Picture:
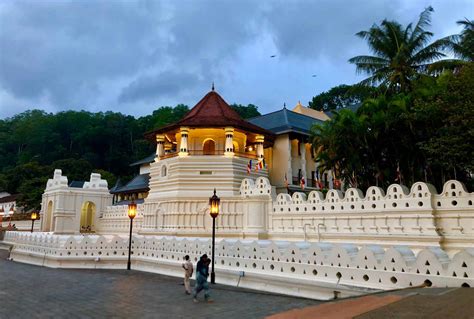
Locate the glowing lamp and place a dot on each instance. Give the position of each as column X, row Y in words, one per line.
column 34, row 216
column 132, row 210
column 214, row 202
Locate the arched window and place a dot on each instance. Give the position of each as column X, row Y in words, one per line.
column 163, row 171
column 209, row 147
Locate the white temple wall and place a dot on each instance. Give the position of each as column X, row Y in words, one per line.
column 115, row 220
column 418, row 218
column 311, row 270
column 194, row 177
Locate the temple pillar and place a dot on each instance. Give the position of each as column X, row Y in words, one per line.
column 160, row 146
column 229, row 139
column 302, row 147
column 183, row 146
column 289, row 170
column 259, row 141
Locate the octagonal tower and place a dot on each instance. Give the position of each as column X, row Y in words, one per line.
column 211, row 147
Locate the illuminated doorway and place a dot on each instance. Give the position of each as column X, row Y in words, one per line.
column 87, row 217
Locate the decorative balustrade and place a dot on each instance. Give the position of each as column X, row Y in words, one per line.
column 418, row 217
column 210, row 153
column 279, row 262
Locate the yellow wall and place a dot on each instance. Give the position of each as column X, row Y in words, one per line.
column 279, row 160
column 196, row 138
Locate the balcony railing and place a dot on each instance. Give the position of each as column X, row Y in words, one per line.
column 209, row 153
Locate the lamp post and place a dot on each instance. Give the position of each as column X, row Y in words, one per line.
column 214, row 202
column 34, row 217
column 132, row 212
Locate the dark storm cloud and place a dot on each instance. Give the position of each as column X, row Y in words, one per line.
column 134, row 55
column 148, row 88
column 62, row 49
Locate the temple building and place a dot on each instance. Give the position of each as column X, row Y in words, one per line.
column 212, row 128
column 211, row 147
column 269, row 225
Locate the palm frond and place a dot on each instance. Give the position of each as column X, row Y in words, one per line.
column 423, row 22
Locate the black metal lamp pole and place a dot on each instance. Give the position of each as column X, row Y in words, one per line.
column 132, row 212
column 213, row 274
column 214, row 202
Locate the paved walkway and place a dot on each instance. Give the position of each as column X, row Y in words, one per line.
column 28, row 291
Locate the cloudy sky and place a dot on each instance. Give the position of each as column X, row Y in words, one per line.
column 133, row 56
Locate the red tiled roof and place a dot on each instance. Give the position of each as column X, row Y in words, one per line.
column 213, row 111
column 9, row 198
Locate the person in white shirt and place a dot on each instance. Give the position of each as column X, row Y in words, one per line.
column 188, row 272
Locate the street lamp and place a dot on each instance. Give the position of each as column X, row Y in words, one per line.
column 132, row 212
column 214, row 202
column 34, row 217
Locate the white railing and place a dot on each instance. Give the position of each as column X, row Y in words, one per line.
column 281, row 263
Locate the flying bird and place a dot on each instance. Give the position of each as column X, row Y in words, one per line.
column 272, row 56
column 314, row 75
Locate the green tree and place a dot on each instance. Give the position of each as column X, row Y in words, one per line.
column 462, row 45
column 401, row 54
column 342, row 96
column 449, row 146
column 246, row 112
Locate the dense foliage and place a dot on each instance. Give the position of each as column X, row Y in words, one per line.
column 426, row 134
column 342, row 96
column 34, row 143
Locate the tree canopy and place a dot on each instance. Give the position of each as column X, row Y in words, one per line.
column 341, row 96
column 401, row 54
column 425, row 134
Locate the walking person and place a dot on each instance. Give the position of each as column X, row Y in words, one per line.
column 202, row 272
column 188, row 272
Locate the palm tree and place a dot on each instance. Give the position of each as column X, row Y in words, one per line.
column 462, row 45
column 400, row 54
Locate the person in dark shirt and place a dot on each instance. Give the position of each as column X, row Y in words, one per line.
column 202, row 272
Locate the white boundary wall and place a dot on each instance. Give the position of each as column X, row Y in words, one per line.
column 313, row 270
column 419, row 218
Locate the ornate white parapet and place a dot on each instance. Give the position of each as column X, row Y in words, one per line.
column 418, row 217
column 311, row 270
column 58, row 181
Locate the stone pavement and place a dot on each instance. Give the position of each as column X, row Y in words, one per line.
column 28, row 291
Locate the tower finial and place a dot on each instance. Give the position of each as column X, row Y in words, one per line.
column 284, row 105
column 212, row 85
